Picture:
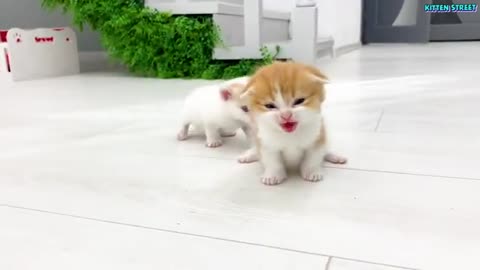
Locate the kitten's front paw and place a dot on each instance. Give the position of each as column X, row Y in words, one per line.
column 248, row 156
column 214, row 144
column 182, row 135
column 314, row 175
column 272, row 179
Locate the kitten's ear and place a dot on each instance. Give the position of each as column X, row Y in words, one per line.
column 225, row 93
column 248, row 92
column 322, row 80
column 231, row 90
column 317, row 76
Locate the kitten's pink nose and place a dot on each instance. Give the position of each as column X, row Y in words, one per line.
column 286, row 115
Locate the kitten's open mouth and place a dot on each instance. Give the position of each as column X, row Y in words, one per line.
column 289, row 126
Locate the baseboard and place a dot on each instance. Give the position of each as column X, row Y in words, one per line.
column 99, row 61
column 91, row 61
column 347, row 48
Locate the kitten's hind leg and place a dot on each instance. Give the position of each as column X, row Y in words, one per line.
column 251, row 155
column 185, row 125
column 227, row 133
column 183, row 133
column 335, row 159
column 213, row 136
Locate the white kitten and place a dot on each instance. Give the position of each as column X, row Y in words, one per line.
column 216, row 110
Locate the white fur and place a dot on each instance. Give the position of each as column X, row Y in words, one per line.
column 205, row 109
column 251, row 155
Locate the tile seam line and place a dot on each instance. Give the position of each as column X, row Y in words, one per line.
column 379, row 120
column 407, row 173
column 364, row 170
column 329, row 261
column 354, row 169
column 201, row 236
column 349, row 169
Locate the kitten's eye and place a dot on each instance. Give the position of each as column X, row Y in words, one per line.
column 244, row 108
column 270, row 106
column 298, row 101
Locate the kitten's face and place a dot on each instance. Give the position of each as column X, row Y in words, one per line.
column 235, row 107
column 286, row 96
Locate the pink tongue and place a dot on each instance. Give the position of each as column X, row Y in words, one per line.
column 289, row 127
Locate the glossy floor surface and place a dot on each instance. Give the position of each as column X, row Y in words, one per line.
column 92, row 177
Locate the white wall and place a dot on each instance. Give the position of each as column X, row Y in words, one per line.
column 340, row 19
column 281, row 5
column 327, row 21
column 347, row 21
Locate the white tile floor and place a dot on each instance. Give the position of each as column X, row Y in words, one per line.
column 91, row 176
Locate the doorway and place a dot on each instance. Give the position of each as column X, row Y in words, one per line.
column 406, row 21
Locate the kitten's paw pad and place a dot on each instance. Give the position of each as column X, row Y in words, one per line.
column 312, row 177
column 248, row 157
column 182, row 136
column 214, row 144
column 271, row 180
column 335, row 159
column 228, row 134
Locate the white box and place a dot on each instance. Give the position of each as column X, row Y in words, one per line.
column 38, row 53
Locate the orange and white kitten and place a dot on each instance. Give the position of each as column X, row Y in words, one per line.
column 285, row 100
column 216, row 110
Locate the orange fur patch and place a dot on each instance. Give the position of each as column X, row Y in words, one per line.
column 236, row 90
column 292, row 80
